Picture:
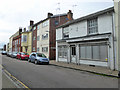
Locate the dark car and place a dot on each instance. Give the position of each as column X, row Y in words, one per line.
column 4, row 53
column 38, row 58
column 22, row 55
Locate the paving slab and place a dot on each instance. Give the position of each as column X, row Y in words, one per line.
column 93, row 69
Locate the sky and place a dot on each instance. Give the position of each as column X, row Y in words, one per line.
column 18, row 13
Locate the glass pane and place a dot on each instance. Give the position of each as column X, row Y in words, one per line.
column 103, row 53
column 88, row 52
column 73, row 51
column 82, row 52
column 96, row 52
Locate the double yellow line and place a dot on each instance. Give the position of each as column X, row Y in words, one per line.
column 14, row 78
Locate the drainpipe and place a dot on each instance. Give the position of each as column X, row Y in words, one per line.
column 113, row 40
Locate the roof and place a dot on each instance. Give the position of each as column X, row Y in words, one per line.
column 54, row 16
column 88, row 16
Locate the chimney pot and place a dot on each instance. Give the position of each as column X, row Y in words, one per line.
column 24, row 29
column 20, row 30
column 50, row 14
column 31, row 22
column 70, row 15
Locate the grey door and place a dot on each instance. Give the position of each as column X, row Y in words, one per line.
column 73, row 54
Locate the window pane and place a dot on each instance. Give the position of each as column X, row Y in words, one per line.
column 92, row 26
column 82, row 52
column 96, row 52
column 73, row 51
column 103, row 53
column 88, row 52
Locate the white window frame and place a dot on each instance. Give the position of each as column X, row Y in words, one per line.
column 38, row 38
column 99, row 59
column 45, row 23
column 62, row 51
column 44, row 49
column 92, row 25
column 66, row 32
column 45, row 36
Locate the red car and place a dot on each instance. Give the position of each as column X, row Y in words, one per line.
column 22, row 55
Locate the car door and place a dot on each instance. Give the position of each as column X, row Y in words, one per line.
column 18, row 56
column 34, row 57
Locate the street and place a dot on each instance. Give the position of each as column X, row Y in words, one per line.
column 48, row 76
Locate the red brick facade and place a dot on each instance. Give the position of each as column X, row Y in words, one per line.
column 34, row 39
column 55, row 22
column 16, row 44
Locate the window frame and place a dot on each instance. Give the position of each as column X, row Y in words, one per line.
column 92, row 52
column 93, row 25
column 65, row 32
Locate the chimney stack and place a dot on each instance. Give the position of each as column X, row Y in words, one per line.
column 24, row 29
column 70, row 15
column 20, row 30
column 50, row 14
column 31, row 22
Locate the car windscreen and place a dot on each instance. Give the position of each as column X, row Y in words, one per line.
column 41, row 55
column 24, row 53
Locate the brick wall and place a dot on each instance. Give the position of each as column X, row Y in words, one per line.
column 52, row 35
column 34, row 41
column 18, row 45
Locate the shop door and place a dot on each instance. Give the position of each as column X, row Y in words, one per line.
column 73, row 54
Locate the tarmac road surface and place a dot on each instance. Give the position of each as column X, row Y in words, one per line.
column 48, row 76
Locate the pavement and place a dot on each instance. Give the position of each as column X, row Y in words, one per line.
column 92, row 69
column 7, row 82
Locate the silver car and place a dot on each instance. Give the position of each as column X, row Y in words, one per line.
column 14, row 54
column 38, row 58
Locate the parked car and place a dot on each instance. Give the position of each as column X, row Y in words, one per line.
column 4, row 53
column 9, row 54
column 14, row 54
column 38, row 58
column 22, row 55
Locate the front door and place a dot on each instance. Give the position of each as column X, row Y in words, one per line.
column 73, row 54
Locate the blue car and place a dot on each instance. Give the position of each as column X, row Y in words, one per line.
column 38, row 58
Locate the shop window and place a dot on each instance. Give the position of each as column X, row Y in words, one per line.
column 94, row 52
column 82, row 52
column 88, row 52
column 103, row 53
column 62, row 51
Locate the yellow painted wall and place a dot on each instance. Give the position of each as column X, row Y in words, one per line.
column 27, row 44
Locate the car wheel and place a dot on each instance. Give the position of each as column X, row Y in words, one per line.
column 36, row 62
column 48, row 63
column 29, row 60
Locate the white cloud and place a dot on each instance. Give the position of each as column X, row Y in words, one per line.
column 17, row 13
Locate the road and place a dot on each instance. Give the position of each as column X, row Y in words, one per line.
column 48, row 76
